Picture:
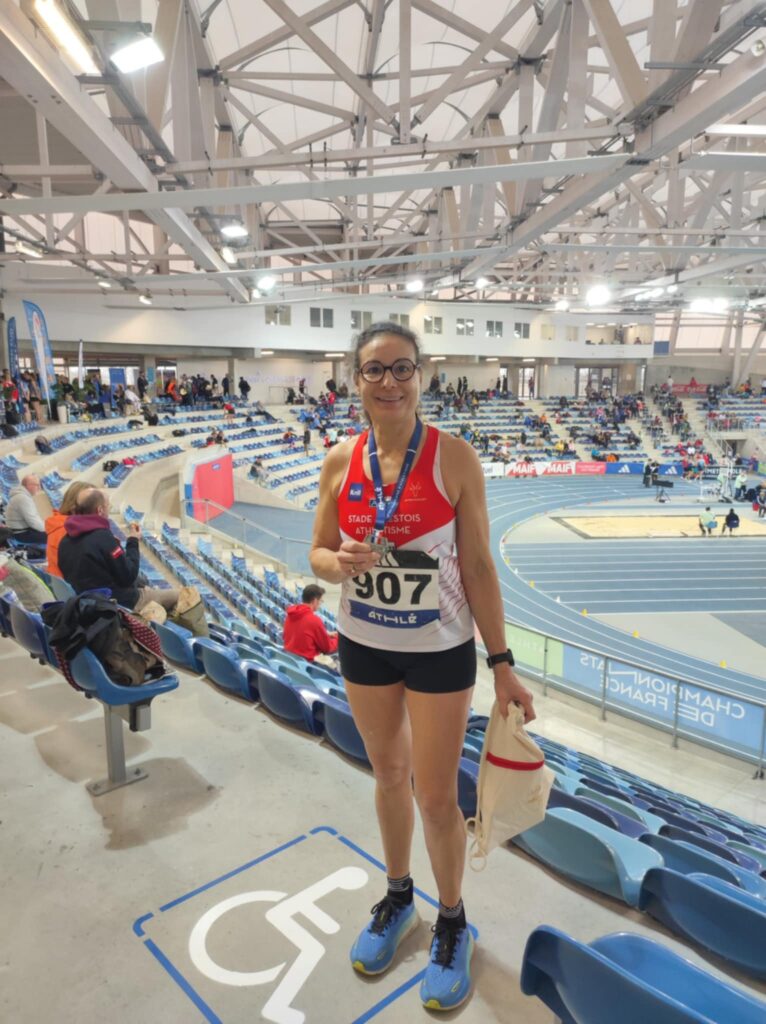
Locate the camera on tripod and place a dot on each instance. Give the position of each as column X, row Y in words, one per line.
column 661, row 486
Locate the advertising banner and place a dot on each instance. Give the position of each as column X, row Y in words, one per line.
column 13, row 349
column 689, row 389
column 625, row 467
column 590, row 468
column 701, row 712
column 38, row 330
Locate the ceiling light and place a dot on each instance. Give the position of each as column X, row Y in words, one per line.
column 234, row 230
column 672, row 288
column 562, row 305
column 415, row 285
column 104, row 284
column 145, row 300
column 598, row 295
column 334, row 355
column 714, row 305
column 527, row 360
column 655, row 293
column 266, row 283
column 491, row 359
column 482, row 282
column 140, row 54
column 437, row 359
column 267, row 351
column 26, row 249
column 66, row 36
column 227, row 254
column 755, row 130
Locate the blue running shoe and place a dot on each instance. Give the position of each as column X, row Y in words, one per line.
column 447, row 981
column 391, row 923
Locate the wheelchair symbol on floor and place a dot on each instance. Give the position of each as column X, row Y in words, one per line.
column 282, row 917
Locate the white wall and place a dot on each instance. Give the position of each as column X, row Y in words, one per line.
column 558, row 380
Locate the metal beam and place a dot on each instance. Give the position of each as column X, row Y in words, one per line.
column 619, row 52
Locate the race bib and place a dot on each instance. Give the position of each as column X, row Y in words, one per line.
column 401, row 592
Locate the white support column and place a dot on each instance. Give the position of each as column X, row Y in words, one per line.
column 737, row 361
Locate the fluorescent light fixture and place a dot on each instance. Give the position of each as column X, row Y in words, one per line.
column 714, row 305
column 655, row 293
column 227, row 254
column 437, row 359
column 141, row 54
column 415, row 285
column 334, row 355
column 482, row 282
column 66, row 36
column 598, row 295
column 145, row 300
column 753, row 130
column 527, row 360
column 671, row 288
column 104, row 284
column 492, row 359
column 25, row 249
column 562, row 305
column 266, row 283
column 234, row 230
column 267, row 351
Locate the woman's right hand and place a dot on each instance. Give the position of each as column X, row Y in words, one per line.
column 355, row 558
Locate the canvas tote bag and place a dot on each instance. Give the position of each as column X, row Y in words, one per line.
column 513, row 788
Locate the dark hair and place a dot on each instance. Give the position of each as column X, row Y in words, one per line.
column 384, row 327
column 311, row 593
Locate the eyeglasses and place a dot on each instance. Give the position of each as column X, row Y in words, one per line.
column 401, row 370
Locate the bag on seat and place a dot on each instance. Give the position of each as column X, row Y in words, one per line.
column 127, row 647
column 514, row 783
column 180, row 432
column 189, row 612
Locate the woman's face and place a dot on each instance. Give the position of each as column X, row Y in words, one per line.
column 388, row 400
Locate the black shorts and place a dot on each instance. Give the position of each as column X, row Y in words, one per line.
column 425, row 671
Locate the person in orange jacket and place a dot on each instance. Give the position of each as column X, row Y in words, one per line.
column 54, row 524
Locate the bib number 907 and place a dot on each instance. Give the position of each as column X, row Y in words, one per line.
column 387, row 587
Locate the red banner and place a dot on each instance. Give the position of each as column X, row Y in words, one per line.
column 564, row 468
column 590, row 468
column 523, row 468
column 689, row 389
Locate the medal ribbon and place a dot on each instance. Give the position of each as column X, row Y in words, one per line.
column 386, row 509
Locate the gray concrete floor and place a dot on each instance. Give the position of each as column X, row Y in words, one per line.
column 227, row 786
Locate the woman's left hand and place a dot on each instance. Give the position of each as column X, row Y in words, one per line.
column 508, row 690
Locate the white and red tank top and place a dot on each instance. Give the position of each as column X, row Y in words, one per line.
column 414, row 600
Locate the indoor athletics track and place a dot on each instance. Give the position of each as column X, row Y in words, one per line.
column 512, row 502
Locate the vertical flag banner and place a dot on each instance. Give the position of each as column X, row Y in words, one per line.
column 38, row 330
column 80, row 366
column 13, row 349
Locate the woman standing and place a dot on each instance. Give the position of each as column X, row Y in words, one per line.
column 402, row 525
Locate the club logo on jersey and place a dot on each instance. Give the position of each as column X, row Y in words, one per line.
column 355, row 492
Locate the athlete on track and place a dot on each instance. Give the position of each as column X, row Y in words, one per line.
column 406, row 533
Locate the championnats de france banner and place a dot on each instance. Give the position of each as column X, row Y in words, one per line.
column 13, row 349
column 38, row 330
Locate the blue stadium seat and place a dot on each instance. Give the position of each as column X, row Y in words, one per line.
column 90, row 675
column 178, row 645
column 467, row 781
column 627, row 978
column 606, row 815
column 717, row 915
column 652, row 822
column 29, row 631
column 687, row 859
column 301, row 706
column 749, row 863
column 341, row 731
column 751, row 852
column 591, row 853
column 224, row 667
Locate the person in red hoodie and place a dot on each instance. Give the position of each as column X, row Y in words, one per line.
column 304, row 631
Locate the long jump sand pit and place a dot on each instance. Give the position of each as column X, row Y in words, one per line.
column 668, row 525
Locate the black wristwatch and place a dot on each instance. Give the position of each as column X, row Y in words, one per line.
column 497, row 659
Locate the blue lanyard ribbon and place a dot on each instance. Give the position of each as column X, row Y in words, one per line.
column 386, row 509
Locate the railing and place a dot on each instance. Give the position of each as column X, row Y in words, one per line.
column 711, row 716
column 291, row 553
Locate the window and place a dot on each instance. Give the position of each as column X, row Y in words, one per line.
column 278, row 316
column 465, row 327
column 573, row 333
column 521, row 330
column 494, row 328
column 360, row 319
column 546, row 331
column 320, row 317
column 403, row 319
column 432, row 324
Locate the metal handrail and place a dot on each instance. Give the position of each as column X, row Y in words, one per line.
column 243, row 519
